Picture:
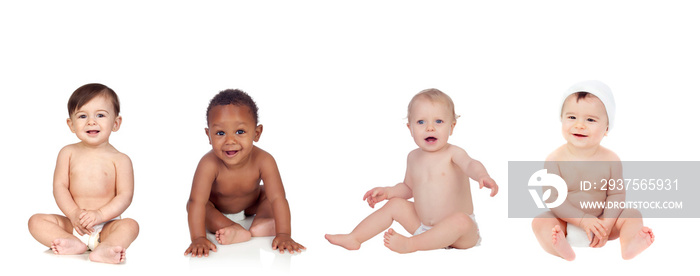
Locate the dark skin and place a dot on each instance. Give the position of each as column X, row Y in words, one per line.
column 227, row 180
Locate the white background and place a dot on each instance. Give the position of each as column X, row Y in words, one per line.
column 332, row 81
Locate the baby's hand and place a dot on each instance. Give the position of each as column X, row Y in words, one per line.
column 488, row 182
column 75, row 221
column 598, row 241
column 593, row 226
column 90, row 218
column 285, row 242
column 200, row 246
column 375, row 196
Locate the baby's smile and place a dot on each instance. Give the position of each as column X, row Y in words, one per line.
column 431, row 140
column 231, row 153
column 93, row 132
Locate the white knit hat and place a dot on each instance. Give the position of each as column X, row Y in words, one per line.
column 600, row 90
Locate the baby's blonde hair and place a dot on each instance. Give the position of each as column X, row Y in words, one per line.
column 433, row 95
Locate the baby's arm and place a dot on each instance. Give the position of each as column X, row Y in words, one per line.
column 280, row 207
column 122, row 200
column 474, row 170
column 401, row 190
column 61, row 191
column 196, row 207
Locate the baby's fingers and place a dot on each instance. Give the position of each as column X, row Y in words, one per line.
column 79, row 230
column 596, row 229
column 292, row 247
column 367, row 195
column 494, row 191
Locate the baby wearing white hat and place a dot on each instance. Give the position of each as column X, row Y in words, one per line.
column 587, row 116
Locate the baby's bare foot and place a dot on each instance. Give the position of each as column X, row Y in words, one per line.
column 108, row 254
column 639, row 243
column 232, row 234
column 264, row 227
column 346, row 241
column 397, row 242
column 561, row 246
column 68, row 246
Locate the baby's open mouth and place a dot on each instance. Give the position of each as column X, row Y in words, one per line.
column 580, row 135
column 93, row 132
column 230, row 153
column 430, row 139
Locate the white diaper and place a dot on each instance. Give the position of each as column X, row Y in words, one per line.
column 92, row 240
column 576, row 236
column 240, row 218
column 423, row 228
column 237, row 217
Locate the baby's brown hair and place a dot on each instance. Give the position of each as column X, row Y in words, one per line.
column 87, row 92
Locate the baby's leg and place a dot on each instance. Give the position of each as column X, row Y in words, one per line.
column 634, row 236
column 115, row 238
column 395, row 209
column 550, row 233
column 264, row 223
column 458, row 230
column 226, row 231
column 56, row 232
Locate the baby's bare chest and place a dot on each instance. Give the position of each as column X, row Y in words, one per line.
column 92, row 176
column 430, row 170
column 576, row 173
column 236, row 184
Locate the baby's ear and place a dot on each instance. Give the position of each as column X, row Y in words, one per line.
column 258, row 132
column 206, row 131
column 70, row 125
column 117, row 123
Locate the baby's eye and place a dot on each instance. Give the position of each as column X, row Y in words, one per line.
column 220, row 133
column 571, row 117
column 439, row 121
column 82, row 116
column 420, row 122
column 591, row 120
column 240, row 131
column 101, row 115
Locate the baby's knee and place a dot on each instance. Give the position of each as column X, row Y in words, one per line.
column 462, row 221
column 129, row 224
column 35, row 219
column 537, row 223
column 630, row 213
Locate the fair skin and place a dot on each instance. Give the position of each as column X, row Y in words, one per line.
column 93, row 183
column 584, row 124
column 227, row 181
column 437, row 177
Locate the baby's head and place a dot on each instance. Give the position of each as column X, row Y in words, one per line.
column 93, row 111
column 435, row 96
column 431, row 119
column 587, row 112
column 86, row 93
column 232, row 126
column 235, row 97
